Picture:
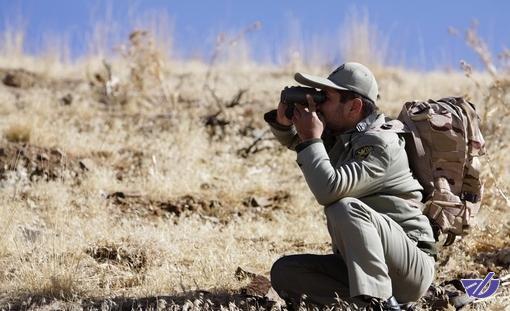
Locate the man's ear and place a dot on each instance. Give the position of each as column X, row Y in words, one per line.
column 357, row 106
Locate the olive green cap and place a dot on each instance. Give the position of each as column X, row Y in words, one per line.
column 350, row 77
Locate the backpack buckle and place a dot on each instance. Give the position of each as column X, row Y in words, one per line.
column 466, row 196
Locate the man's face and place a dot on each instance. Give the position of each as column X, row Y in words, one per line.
column 336, row 115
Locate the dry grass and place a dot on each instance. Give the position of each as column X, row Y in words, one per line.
column 360, row 40
column 157, row 181
column 18, row 133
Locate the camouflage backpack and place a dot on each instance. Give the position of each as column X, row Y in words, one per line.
column 443, row 146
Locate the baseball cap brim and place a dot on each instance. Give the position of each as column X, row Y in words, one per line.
column 316, row 81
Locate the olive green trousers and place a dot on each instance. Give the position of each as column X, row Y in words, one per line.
column 372, row 257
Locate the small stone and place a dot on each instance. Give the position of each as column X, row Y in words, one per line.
column 19, row 78
column 67, row 100
column 42, row 157
column 503, row 257
column 87, row 164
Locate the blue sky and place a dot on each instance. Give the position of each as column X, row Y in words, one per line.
column 417, row 30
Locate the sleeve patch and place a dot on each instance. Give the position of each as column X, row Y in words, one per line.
column 363, row 152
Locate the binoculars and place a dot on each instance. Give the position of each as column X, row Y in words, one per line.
column 297, row 95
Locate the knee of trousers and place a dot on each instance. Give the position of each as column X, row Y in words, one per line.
column 280, row 272
column 346, row 210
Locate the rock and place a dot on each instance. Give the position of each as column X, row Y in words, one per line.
column 38, row 162
column 271, row 200
column 87, row 164
column 259, row 285
column 122, row 253
column 67, row 100
column 20, row 78
column 257, row 201
column 503, row 257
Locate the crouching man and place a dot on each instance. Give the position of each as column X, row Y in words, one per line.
column 383, row 246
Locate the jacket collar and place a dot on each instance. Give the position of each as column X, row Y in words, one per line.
column 371, row 121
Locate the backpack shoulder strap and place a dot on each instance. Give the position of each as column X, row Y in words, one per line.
column 420, row 150
column 403, row 125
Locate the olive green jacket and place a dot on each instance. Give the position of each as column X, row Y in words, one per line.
column 365, row 163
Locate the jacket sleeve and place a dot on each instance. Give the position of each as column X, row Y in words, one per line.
column 286, row 135
column 357, row 177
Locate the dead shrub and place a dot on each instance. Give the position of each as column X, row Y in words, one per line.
column 38, row 162
column 146, row 68
column 122, row 263
column 18, row 133
column 122, row 254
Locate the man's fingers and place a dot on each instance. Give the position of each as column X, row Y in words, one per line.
column 294, row 118
column 298, row 110
column 301, row 108
column 312, row 106
column 321, row 117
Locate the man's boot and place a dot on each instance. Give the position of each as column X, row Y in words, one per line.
column 377, row 304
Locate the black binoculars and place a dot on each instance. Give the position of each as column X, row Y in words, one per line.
column 297, row 95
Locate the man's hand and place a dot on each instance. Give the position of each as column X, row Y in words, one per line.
column 307, row 122
column 280, row 115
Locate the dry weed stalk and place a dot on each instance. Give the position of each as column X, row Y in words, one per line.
column 12, row 44
column 505, row 59
column 146, row 64
column 480, row 47
column 222, row 42
column 107, row 86
column 361, row 42
column 495, row 100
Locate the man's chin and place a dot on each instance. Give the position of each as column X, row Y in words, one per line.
column 334, row 130
column 329, row 129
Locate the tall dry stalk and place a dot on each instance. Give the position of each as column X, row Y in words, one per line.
column 224, row 42
column 360, row 41
column 145, row 82
column 496, row 111
column 12, row 44
column 144, row 59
